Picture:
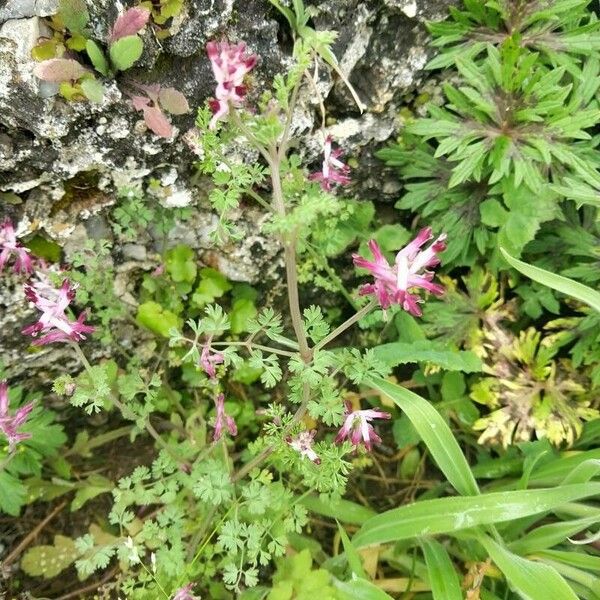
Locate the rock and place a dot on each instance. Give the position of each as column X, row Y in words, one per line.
column 67, row 159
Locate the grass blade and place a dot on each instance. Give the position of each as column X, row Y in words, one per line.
column 442, row 575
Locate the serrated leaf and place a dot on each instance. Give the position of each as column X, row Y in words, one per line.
column 125, row 52
column 12, row 494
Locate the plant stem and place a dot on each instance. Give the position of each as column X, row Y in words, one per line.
column 289, row 245
column 339, row 330
column 251, row 345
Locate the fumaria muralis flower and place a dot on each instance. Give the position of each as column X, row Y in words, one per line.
column 302, row 443
column 208, row 361
column 10, row 423
column 223, row 419
column 54, row 325
column 333, row 169
column 395, row 284
column 230, row 64
column 185, row 593
column 357, row 426
column 9, row 245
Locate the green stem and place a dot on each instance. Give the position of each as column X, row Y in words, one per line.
column 346, row 324
column 251, row 345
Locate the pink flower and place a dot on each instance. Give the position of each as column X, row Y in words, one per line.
column 9, row 424
column 223, row 419
column 333, row 170
column 10, row 245
column 393, row 283
column 208, row 360
column 185, row 593
column 54, row 323
column 357, row 426
column 302, row 443
column 230, row 64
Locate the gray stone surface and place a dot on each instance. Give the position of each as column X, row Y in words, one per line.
column 45, row 141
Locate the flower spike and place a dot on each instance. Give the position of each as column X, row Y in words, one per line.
column 223, row 419
column 394, row 284
column 9, row 245
column 10, row 423
column 230, row 64
column 357, row 427
column 333, row 169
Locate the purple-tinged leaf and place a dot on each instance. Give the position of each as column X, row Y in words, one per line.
column 173, row 101
column 140, row 102
column 157, row 122
column 129, row 23
column 58, row 70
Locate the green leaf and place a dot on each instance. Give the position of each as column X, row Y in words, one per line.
column 12, row 494
column 242, row 311
column 442, row 575
column 48, row 561
column 447, row 515
column 360, row 589
column 352, row 556
column 557, row 282
column 435, row 433
column 213, row 284
column 532, row 580
column 93, row 90
column 181, row 263
column 437, row 353
column 97, row 57
column 343, row 510
column 92, row 487
column 125, row 52
column 155, row 318
column 74, row 14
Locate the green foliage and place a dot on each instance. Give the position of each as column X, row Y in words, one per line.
column 48, row 561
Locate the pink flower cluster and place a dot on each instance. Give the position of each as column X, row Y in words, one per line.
column 185, row 593
column 223, row 419
column 10, row 246
column 54, row 325
column 209, row 360
column 230, row 64
column 394, row 284
column 9, row 424
column 302, row 443
column 333, row 169
column 357, row 426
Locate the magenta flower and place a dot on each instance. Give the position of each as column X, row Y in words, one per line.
column 223, row 419
column 394, row 284
column 208, row 360
column 185, row 593
column 230, row 64
column 54, row 323
column 302, row 443
column 9, row 424
column 9, row 245
column 333, row 170
column 357, row 427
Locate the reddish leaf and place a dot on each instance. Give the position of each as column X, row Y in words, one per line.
column 157, row 122
column 152, row 90
column 58, row 70
column 173, row 101
column 129, row 23
column 140, row 102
